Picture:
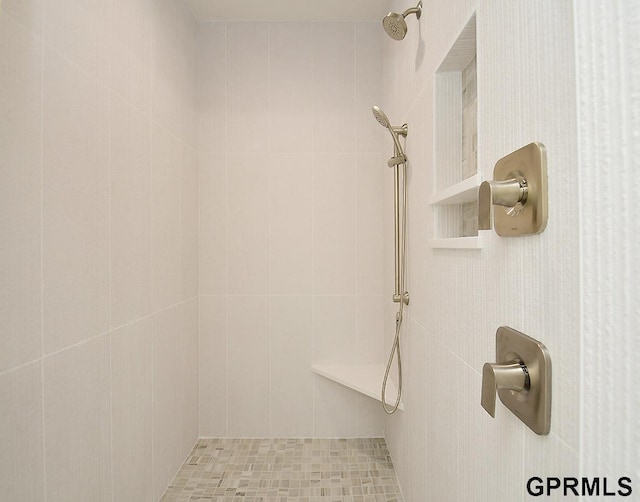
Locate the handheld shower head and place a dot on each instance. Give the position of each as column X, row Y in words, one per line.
column 381, row 117
column 395, row 131
column 395, row 25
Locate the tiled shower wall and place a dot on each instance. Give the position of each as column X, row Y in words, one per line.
column 291, row 178
column 98, row 196
column 444, row 445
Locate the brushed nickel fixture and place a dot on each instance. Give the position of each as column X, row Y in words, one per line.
column 395, row 25
column 521, row 376
column 399, row 164
column 520, row 188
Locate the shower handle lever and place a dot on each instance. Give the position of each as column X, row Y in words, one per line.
column 511, row 193
column 512, row 376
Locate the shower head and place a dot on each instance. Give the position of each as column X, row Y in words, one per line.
column 395, row 25
column 381, row 116
column 395, row 131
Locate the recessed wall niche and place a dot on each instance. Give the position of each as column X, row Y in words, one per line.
column 456, row 166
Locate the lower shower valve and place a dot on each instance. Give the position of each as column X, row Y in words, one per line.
column 521, row 376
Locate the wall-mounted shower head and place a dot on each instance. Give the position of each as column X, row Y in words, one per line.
column 395, row 25
column 395, row 131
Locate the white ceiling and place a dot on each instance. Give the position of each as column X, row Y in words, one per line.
column 289, row 10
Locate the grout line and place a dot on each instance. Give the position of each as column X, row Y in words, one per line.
column 42, row 343
column 226, row 209
column 269, row 224
column 110, row 280
column 313, row 273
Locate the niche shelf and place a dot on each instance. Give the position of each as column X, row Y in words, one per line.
column 456, row 175
column 363, row 378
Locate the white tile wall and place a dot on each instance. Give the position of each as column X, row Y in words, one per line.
column 290, row 219
column 290, row 222
column 98, row 177
column 444, row 446
column 77, row 422
column 213, row 401
column 291, row 326
column 248, row 224
column 131, row 208
column 334, row 224
column 166, row 400
column 334, row 87
column 21, row 433
column 167, row 196
column 75, row 203
column 213, row 216
column 20, row 171
column 291, row 80
column 249, row 381
column 247, row 87
column 131, row 410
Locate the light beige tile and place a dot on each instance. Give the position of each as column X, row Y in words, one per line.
column 370, row 173
column 370, row 346
column 166, row 97
column 167, row 173
column 75, row 205
column 334, row 409
column 248, row 224
column 80, row 32
column 334, row 329
column 213, row 366
column 186, row 27
column 77, row 422
column 26, row 12
column 334, row 224
column 370, row 417
column 212, row 197
column 290, row 87
column 249, row 386
column 189, row 368
column 333, row 87
column 247, row 84
column 131, row 374
column 22, row 457
column 167, row 389
column 414, row 342
column 291, row 325
column 20, row 173
column 369, row 85
column 174, row 69
column 189, row 223
column 291, row 223
column 131, row 213
column 212, row 88
column 130, row 52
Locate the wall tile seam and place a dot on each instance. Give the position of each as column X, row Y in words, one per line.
column 290, row 152
column 269, row 224
column 43, row 459
column 104, row 333
column 110, row 90
column 4, row 13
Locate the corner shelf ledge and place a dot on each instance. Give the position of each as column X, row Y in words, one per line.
column 363, row 378
column 465, row 191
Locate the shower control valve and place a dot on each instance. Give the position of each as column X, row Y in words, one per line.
column 521, row 377
column 519, row 192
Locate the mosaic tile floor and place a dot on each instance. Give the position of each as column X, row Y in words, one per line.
column 285, row 470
